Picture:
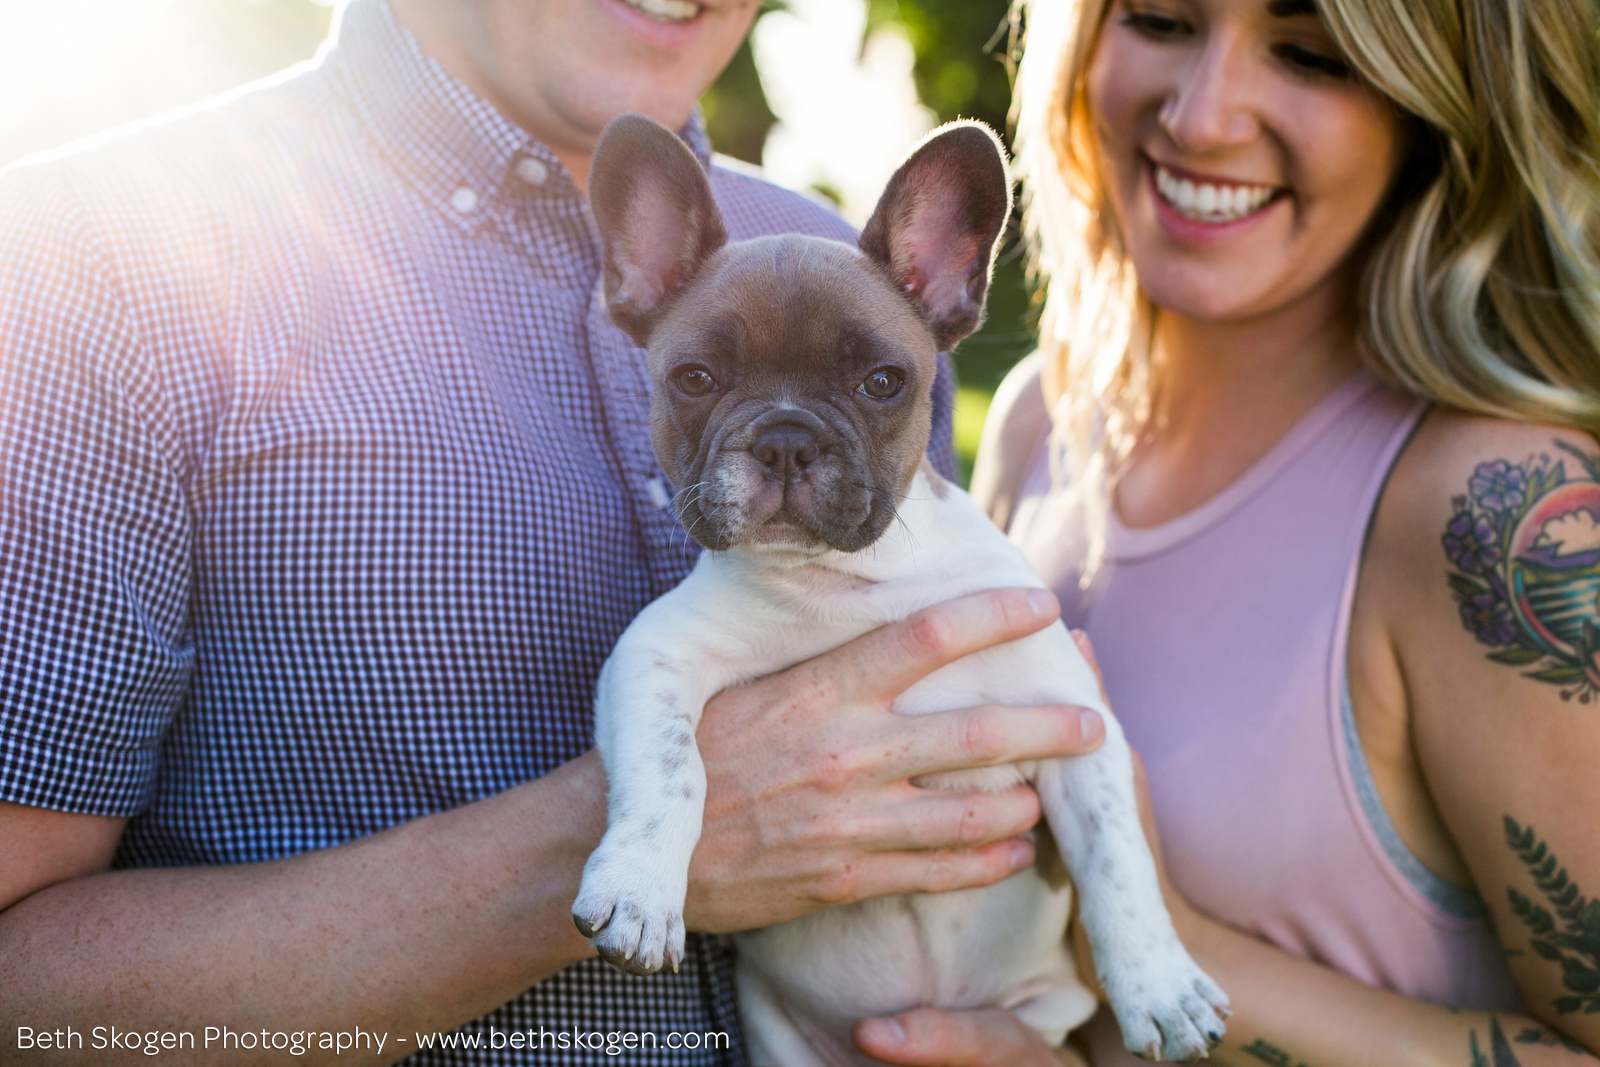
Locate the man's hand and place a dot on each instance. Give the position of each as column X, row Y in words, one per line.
column 984, row 1037
column 809, row 802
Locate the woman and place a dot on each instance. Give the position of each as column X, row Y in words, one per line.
column 1307, row 451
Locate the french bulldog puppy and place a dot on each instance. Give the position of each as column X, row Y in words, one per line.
column 792, row 380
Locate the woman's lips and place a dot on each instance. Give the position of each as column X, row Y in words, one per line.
column 1210, row 201
column 1181, row 213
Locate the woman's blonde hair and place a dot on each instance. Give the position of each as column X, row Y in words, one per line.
column 1481, row 287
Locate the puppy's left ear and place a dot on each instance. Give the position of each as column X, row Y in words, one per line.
column 657, row 218
column 937, row 223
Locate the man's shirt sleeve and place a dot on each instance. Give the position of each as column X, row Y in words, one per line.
column 942, row 442
column 95, row 534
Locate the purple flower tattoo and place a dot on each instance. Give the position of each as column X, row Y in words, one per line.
column 1524, row 554
column 1499, row 486
column 1489, row 618
column 1471, row 543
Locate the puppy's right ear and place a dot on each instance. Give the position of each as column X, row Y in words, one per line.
column 653, row 203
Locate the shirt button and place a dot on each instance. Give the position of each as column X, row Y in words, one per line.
column 533, row 171
column 464, row 200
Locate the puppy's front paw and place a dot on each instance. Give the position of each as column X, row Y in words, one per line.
column 631, row 912
column 1167, row 1006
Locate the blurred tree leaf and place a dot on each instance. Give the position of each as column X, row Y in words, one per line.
column 961, row 72
column 735, row 107
column 960, row 69
column 737, row 115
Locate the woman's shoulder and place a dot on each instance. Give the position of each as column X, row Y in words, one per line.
column 1459, row 467
column 1484, row 549
column 1017, row 416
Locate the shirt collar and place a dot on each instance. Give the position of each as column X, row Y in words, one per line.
column 444, row 139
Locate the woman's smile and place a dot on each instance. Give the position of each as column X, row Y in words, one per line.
column 1210, row 200
column 1197, row 209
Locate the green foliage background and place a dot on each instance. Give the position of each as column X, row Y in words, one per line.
column 960, row 72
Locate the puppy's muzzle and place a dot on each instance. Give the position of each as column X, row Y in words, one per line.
column 785, row 477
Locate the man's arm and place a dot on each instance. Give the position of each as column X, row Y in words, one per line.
column 434, row 922
column 415, row 929
column 45, row 847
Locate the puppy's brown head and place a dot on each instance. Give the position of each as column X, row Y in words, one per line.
column 793, row 375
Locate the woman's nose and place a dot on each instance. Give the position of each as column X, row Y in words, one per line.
column 1210, row 104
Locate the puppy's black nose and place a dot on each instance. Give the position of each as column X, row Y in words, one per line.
column 785, row 450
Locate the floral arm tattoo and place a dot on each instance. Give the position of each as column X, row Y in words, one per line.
column 1524, row 549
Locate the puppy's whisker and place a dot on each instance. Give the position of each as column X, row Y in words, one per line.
column 677, row 504
column 890, row 501
column 696, row 488
column 686, row 489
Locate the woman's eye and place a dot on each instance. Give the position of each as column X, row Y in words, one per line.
column 1307, row 61
column 695, row 381
column 882, row 384
column 1156, row 27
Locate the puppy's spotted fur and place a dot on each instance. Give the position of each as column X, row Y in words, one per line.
column 792, row 406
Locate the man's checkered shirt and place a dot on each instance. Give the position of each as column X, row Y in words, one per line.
column 325, row 480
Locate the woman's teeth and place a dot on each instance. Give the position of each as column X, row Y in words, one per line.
column 666, row 10
column 1211, row 203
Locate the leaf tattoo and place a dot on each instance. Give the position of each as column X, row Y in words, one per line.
column 1524, row 549
column 1568, row 932
column 1534, row 1035
column 1499, row 1047
column 1271, row 1054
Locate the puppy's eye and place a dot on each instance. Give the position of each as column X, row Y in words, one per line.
column 883, row 383
column 694, row 380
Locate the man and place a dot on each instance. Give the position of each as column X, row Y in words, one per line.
column 325, row 487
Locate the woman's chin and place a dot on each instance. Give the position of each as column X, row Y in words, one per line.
column 1206, row 299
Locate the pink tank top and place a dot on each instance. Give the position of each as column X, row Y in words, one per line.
column 1222, row 635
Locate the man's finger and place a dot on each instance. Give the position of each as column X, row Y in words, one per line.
column 890, row 659
column 987, row 736
column 929, row 819
column 933, row 871
column 987, row 1037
